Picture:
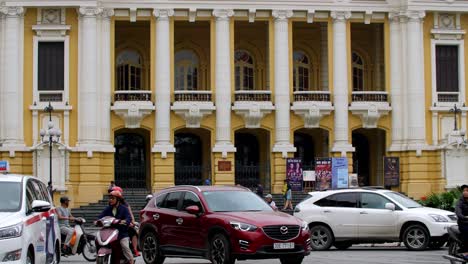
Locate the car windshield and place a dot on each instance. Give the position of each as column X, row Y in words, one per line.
column 235, row 201
column 403, row 200
column 10, row 196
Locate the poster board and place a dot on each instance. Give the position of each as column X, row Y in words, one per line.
column 323, row 174
column 294, row 173
column 391, row 171
column 339, row 173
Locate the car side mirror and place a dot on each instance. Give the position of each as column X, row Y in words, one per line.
column 193, row 209
column 40, row 206
column 390, row 206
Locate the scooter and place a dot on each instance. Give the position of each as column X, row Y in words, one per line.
column 454, row 244
column 81, row 242
column 107, row 242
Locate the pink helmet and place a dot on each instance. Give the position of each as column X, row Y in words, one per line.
column 116, row 194
column 117, row 188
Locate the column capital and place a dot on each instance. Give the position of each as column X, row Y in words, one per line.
column 282, row 14
column 107, row 13
column 87, row 11
column 223, row 14
column 163, row 14
column 414, row 16
column 394, row 16
column 12, row 11
column 340, row 16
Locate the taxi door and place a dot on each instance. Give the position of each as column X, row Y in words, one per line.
column 34, row 225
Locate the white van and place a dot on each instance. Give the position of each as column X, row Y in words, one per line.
column 29, row 231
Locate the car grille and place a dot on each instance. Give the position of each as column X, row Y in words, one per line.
column 282, row 232
column 452, row 217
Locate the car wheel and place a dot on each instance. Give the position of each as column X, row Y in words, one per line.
column 342, row 245
column 416, row 237
column 292, row 259
column 150, row 249
column 437, row 243
column 321, row 237
column 220, row 250
column 30, row 257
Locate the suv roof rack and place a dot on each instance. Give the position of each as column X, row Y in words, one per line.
column 373, row 188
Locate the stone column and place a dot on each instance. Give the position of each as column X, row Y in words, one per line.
column 415, row 82
column 282, row 100
column 223, row 82
column 340, row 82
column 88, row 79
column 378, row 75
column 163, row 143
column 12, row 77
column 106, row 69
column 396, row 90
column 324, row 57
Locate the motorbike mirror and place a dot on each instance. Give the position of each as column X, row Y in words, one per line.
column 193, row 209
column 390, row 206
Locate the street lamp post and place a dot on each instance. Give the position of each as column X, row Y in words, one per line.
column 50, row 136
column 455, row 111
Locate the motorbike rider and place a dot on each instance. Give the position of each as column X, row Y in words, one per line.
column 461, row 210
column 117, row 210
column 132, row 233
column 64, row 215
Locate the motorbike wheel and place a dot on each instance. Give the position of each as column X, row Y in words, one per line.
column 89, row 250
column 103, row 259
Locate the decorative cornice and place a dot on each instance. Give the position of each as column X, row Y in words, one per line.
column 394, row 16
column 340, row 15
column 163, row 13
column 282, row 14
column 12, row 10
column 223, row 14
column 415, row 16
column 89, row 11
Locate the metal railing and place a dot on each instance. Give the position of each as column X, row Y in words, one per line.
column 191, row 174
column 50, row 96
column 196, row 96
column 130, row 176
column 444, row 97
column 370, row 96
column 252, row 96
column 321, row 96
column 250, row 175
column 137, row 95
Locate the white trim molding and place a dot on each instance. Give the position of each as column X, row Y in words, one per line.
column 193, row 111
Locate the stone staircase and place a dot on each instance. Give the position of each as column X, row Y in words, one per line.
column 90, row 212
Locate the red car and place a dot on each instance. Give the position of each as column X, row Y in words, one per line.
column 220, row 224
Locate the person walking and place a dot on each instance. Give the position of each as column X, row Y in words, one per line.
column 287, row 192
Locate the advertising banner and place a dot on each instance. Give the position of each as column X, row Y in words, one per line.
column 391, row 171
column 339, row 173
column 294, row 173
column 323, row 173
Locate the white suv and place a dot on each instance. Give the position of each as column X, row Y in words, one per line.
column 365, row 215
column 29, row 231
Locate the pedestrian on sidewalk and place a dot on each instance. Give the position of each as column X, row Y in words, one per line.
column 287, row 192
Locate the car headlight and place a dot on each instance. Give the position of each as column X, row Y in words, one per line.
column 438, row 218
column 11, row 231
column 243, row 226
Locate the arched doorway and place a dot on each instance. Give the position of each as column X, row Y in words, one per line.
column 192, row 158
column 310, row 144
column 131, row 159
column 252, row 158
column 368, row 156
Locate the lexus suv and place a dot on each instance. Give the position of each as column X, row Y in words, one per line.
column 368, row 215
column 221, row 224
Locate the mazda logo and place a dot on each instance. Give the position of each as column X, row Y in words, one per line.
column 284, row 230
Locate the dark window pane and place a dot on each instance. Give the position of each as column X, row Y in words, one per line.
column 447, row 68
column 346, row 200
column 172, row 200
column 51, row 66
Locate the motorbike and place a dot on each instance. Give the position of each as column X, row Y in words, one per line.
column 454, row 244
column 107, row 242
column 81, row 242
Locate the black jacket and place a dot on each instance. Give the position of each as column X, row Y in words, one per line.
column 462, row 211
column 122, row 214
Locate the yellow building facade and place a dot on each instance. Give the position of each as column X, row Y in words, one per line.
column 151, row 95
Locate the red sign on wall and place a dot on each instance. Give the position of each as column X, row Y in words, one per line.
column 224, row 165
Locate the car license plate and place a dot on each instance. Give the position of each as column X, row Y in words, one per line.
column 283, row 245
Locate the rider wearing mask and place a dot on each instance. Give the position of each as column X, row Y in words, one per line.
column 462, row 215
column 117, row 210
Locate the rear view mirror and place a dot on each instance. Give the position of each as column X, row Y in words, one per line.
column 40, row 206
column 390, row 206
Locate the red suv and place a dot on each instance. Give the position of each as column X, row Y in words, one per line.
column 220, row 224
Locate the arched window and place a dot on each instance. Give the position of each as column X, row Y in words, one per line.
column 186, row 70
column 358, row 72
column 301, row 71
column 129, row 70
column 244, row 70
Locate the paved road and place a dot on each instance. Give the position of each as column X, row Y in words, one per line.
column 354, row 255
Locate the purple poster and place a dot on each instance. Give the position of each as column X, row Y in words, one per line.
column 294, row 173
column 323, row 174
